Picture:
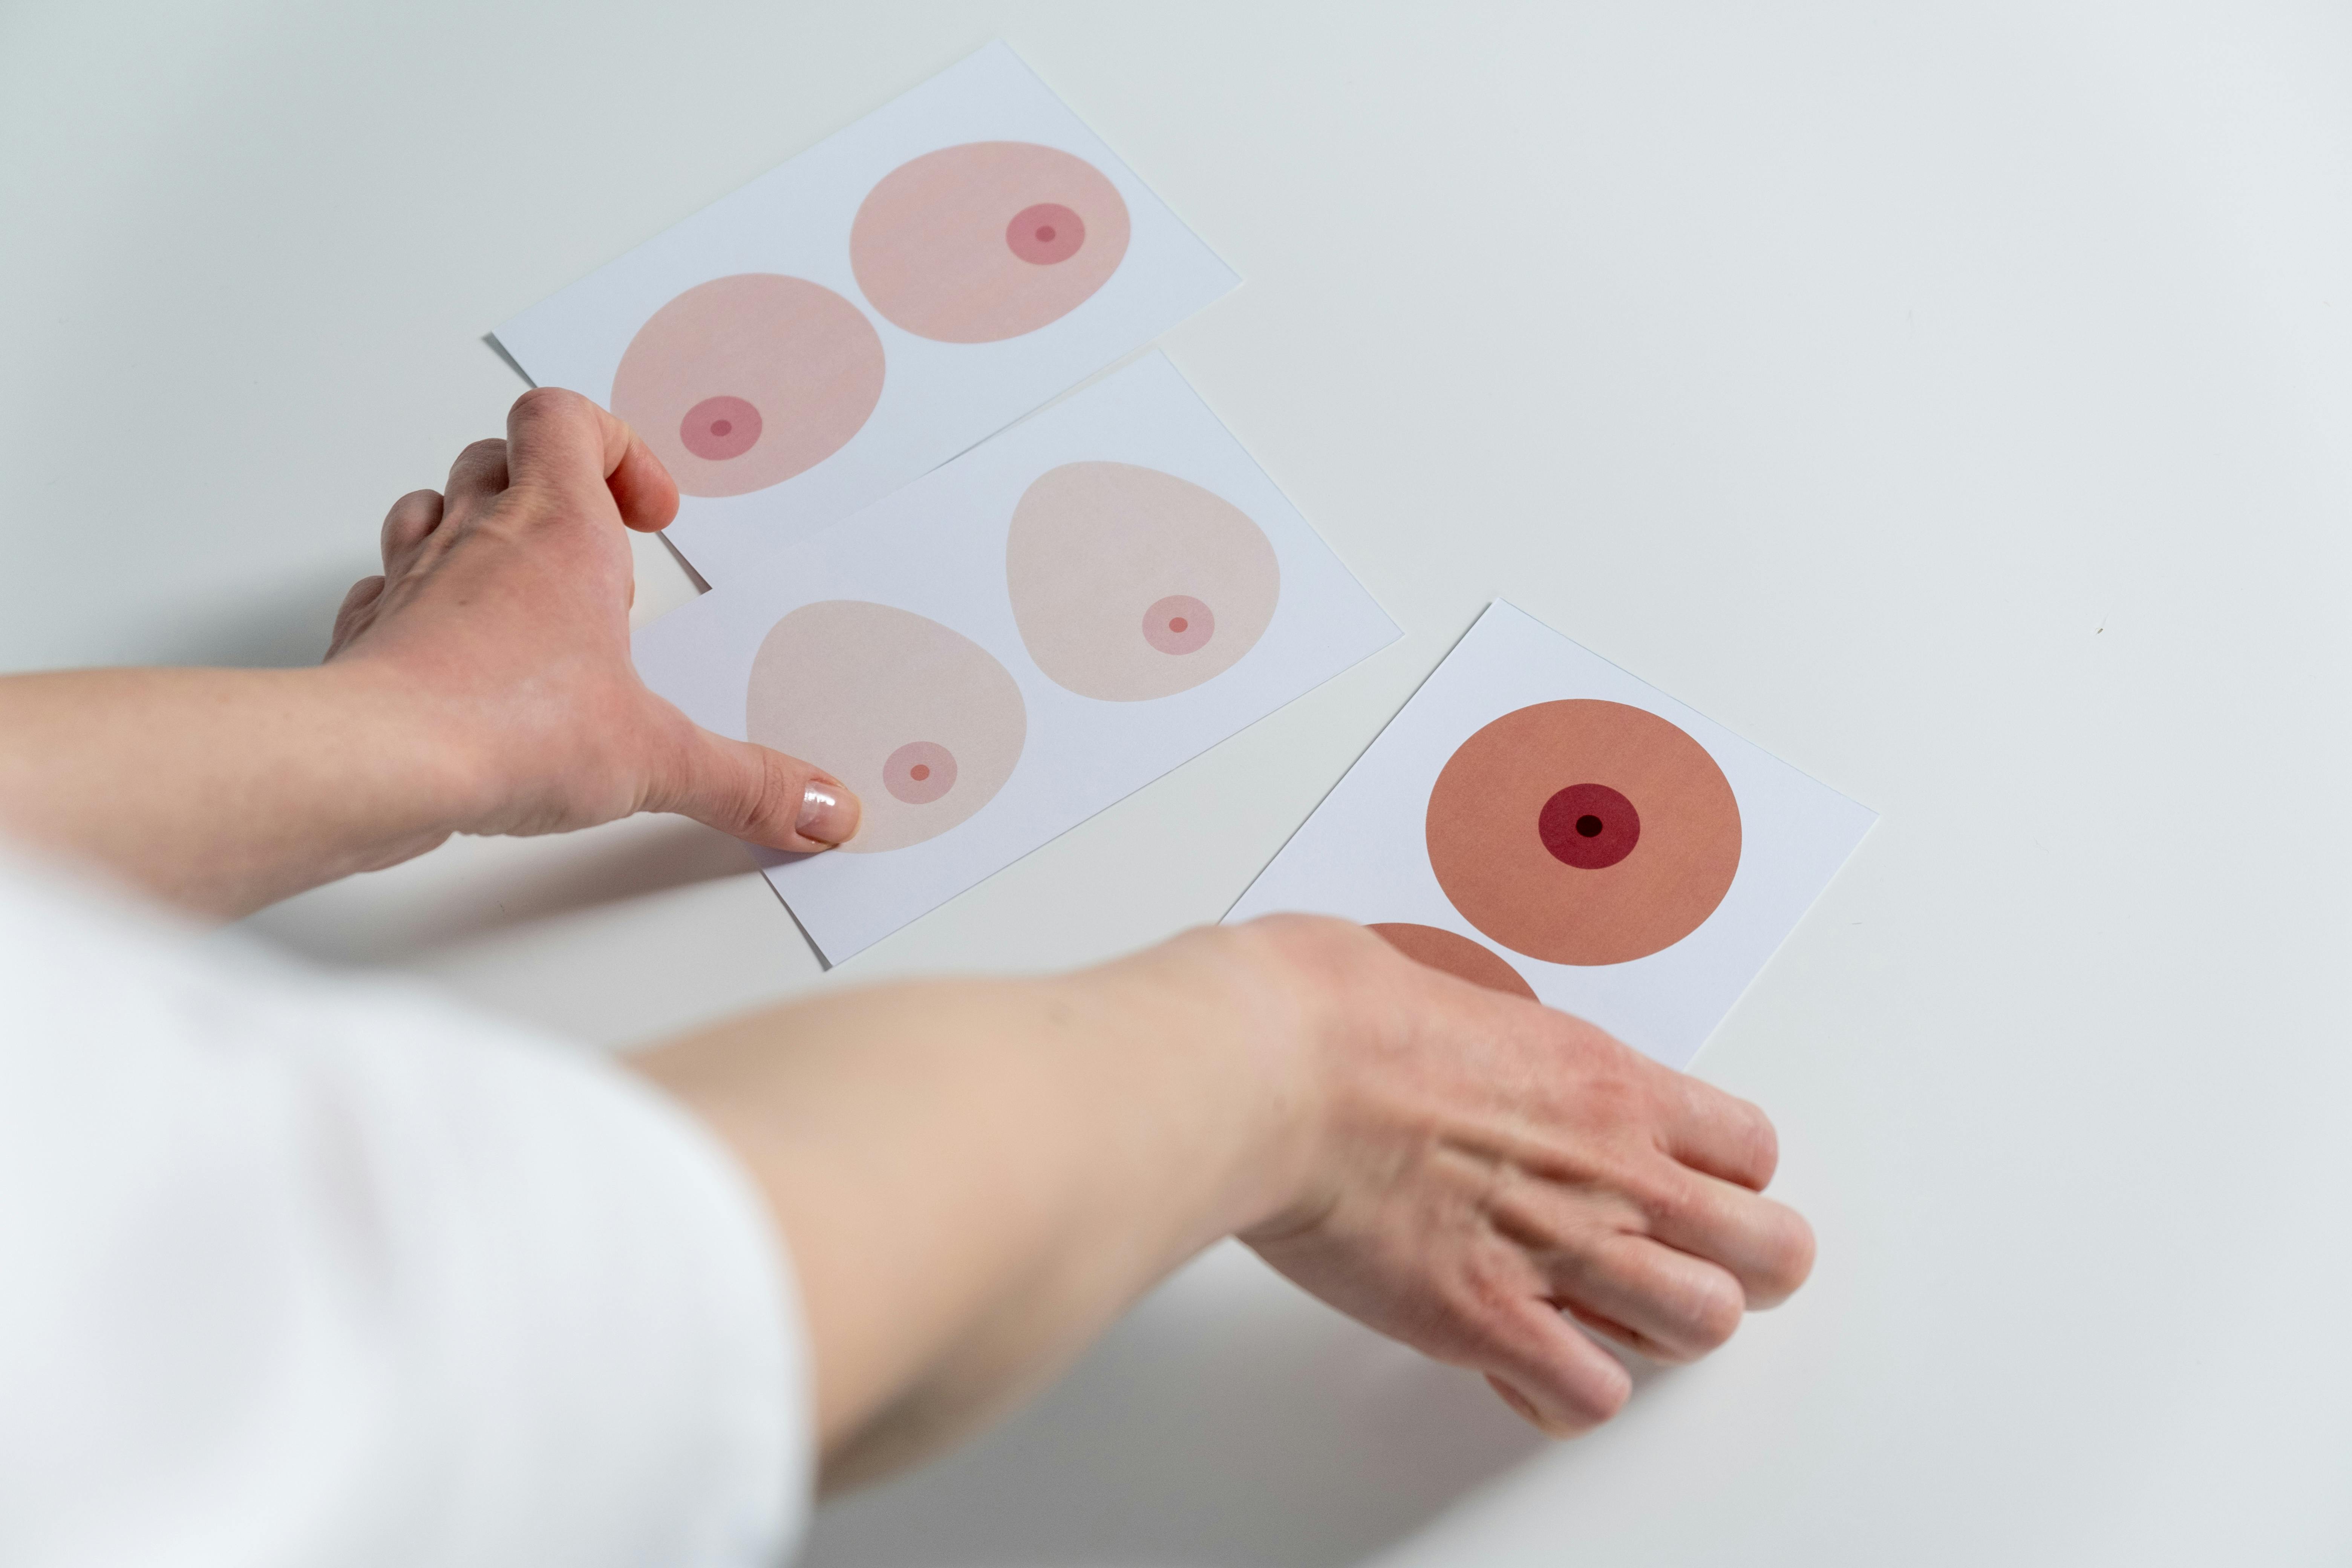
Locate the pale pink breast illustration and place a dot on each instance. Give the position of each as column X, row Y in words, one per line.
column 987, row 241
column 1583, row 832
column 1129, row 584
column 744, row 381
column 920, row 722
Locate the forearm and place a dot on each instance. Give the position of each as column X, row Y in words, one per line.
column 975, row 1177
column 221, row 790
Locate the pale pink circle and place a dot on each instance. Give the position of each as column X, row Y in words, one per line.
column 947, row 246
column 850, row 686
column 920, row 771
column 719, row 428
column 805, row 363
column 1178, row 623
column 1046, row 233
column 1103, row 558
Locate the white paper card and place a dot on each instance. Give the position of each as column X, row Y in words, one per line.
column 857, row 316
column 1535, row 810
column 1011, row 644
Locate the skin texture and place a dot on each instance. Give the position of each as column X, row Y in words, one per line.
column 977, row 1176
column 481, row 684
column 972, row 1178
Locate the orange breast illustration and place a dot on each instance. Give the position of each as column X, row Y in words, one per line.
column 1583, row 832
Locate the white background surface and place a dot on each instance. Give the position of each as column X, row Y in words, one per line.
column 1952, row 399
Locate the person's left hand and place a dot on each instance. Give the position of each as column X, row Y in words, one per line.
column 503, row 608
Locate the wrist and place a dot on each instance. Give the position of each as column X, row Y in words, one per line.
column 391, row 771
column 429, row 767
column 1317, row 965
column 1257, row 1007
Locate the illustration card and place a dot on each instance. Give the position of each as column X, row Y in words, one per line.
column 1538, row 821
column 1007, row 646
column 857, row 316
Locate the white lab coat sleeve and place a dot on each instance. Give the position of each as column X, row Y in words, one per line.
column 310, row 1270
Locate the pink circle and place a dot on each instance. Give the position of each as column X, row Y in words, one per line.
column 1178, row 623
column 920, row 771
column 946, row 246
column 800, row 367
column 1045, row 234
column 718, row 428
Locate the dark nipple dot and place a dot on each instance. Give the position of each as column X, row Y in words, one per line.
column 1178, row 623
column 1046, row 235
column 722, row 427
column 1588, row 827
column 920, row 771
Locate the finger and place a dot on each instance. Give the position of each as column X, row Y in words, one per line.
column 1667, row 1304
column 755, row 793
column 353, row 613
column 1564, row 1384
column 1766, row 1245
column 561, row 441
column 480, row 474
column 412, row 518
column 642, row 487
column 1719, row 1133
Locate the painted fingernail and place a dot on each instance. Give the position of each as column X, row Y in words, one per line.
column 828, row 813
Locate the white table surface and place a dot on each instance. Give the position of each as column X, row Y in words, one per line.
column 1953, row 399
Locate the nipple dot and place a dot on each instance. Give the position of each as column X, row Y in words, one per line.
column 920, row 771
column 1178, row 623
column 1590, row 827
column 1046, row 235
column 718, row 428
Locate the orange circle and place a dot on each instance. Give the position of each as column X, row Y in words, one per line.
column 1488, row 850
column 1456, row 955
column 937, row 250
column 805, row 362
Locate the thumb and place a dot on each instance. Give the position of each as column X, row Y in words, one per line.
column 754, row 793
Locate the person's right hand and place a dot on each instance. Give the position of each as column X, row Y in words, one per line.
column 1478, row 1170
column 974, row 1177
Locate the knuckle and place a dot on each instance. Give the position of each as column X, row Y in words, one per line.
column 1488, row 1290
column 741, row 800
column 1716, row 1314
column 1595, row 1399
column 488, row 452
column 546, row 403
column 1789, row 1260
column 1596, row 1094
column 1599, row 1053
column 771, row 793
column 1668, row 1196
column 1763, row 1140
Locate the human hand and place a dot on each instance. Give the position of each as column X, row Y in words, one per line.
column 1479, row 1169
column 503, row 610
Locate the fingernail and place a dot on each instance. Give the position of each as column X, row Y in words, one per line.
column 828, row 813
